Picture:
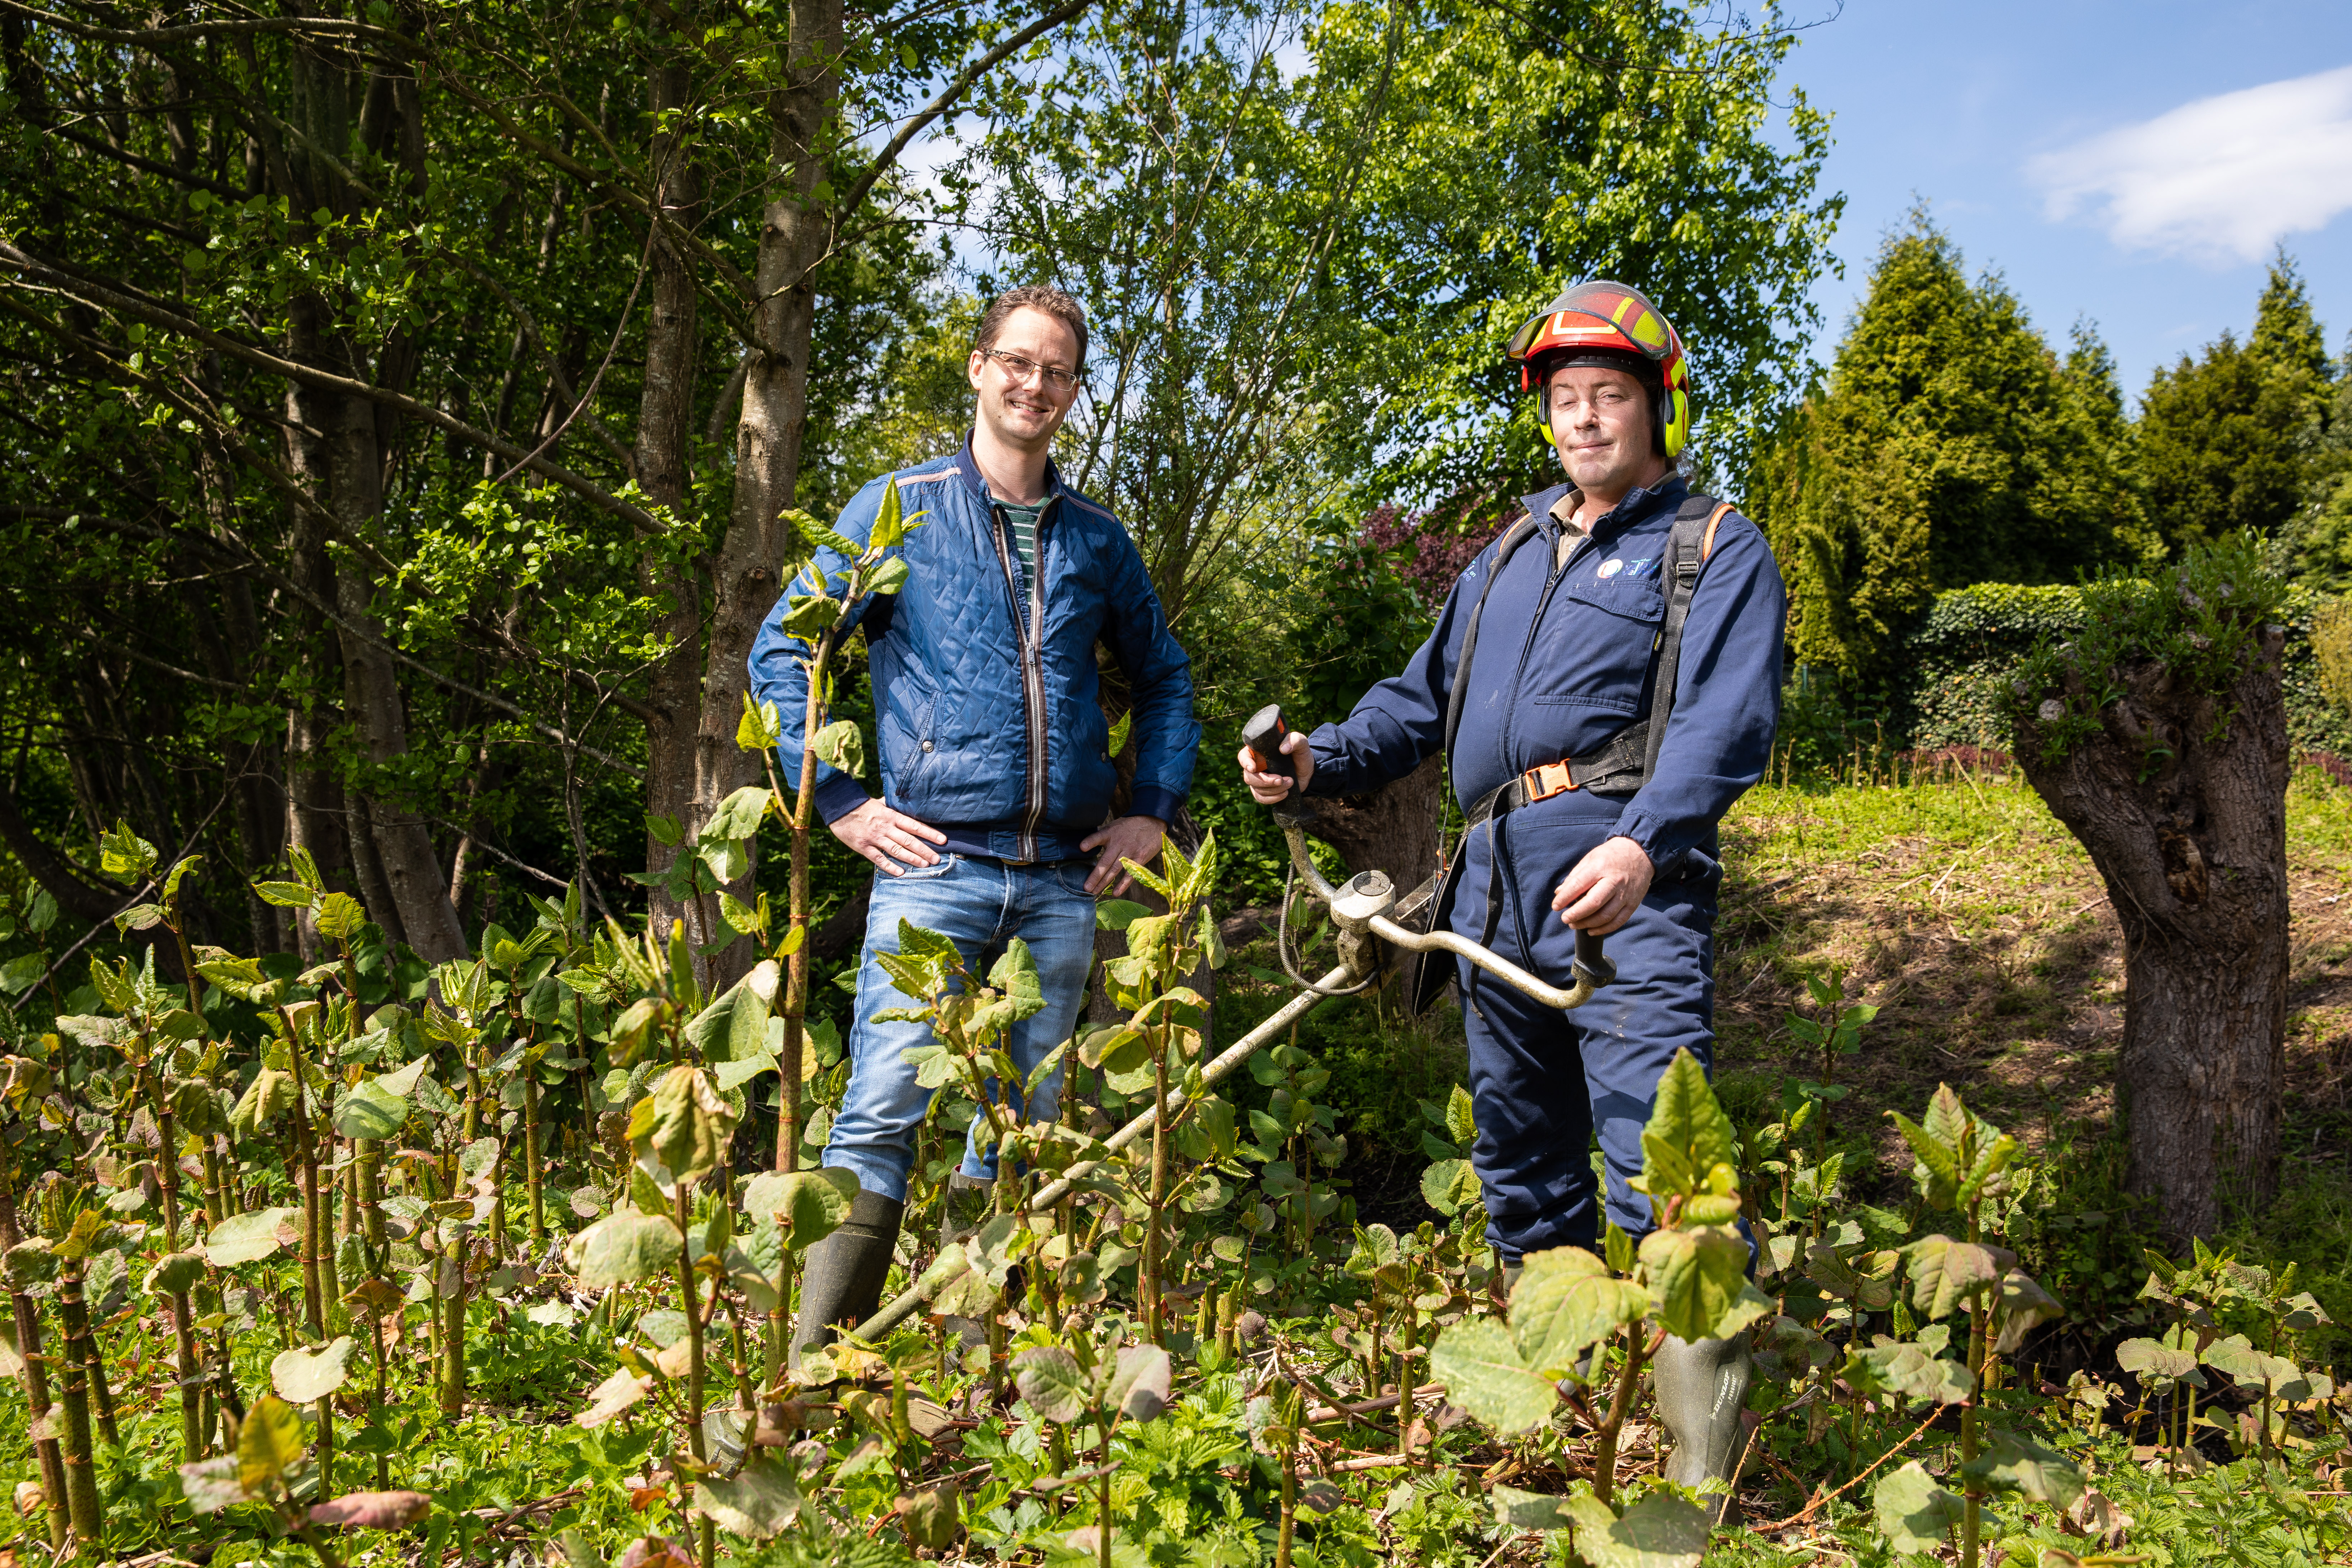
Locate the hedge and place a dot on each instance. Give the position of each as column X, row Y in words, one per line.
column 1959, row 655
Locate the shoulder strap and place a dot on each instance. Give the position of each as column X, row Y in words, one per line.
column 1689, row 546
column 1520, row 533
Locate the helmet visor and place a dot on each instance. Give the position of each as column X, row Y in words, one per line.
column 1600, row 315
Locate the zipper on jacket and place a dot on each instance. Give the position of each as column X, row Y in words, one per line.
column 1033, row 676
column 1554, row 569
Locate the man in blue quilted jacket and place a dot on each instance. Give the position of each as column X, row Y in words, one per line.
column 996, row 817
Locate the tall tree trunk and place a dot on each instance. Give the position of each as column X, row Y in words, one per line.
column 794, row 231
column 340, row 447
column 2189, row 832
column 664, row 460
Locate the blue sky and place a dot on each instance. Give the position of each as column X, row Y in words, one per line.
column 2128, row 163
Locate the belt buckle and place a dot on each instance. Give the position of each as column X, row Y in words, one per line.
column 1548, row 779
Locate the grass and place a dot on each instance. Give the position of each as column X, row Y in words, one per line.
column 1978, row 925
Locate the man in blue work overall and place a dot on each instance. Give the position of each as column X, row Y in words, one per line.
column 1603, row 724
column 995, row 819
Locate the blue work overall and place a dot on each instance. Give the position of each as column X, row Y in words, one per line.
column 1563, row 664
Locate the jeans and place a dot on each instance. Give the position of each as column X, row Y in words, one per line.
column 979, row 905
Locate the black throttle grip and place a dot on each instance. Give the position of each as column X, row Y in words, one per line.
column 1591, row 963
column 1262, row 735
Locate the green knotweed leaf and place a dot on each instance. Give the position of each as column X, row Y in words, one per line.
column 1140, row 1383
column 1699, row 1281
column 1566, row 1299
column 1914, row 1514
column 612, row 1396
column 1117, row 914
column 174, row 1272
column 1450, row 1187
column 1015, row 974
column 760, row 728
column 1053, row 1383
column 212, row 1485
column 245, row 1238
column 1515, row 1509
column 1945, row 1273
column 1938, row 1171
column 368, row 1110
column 762, row 1501
column 2025, row 1305
column 809, row 1205
column 304, row 1377
column 269, row 1443
column 2009, row 1463
column 686, row 1123
column 1460, row 1118
column 1890, row 1366
column 1662, row 1531
column 930, row 1515
column 739, row 815
column 1483, row 1373
column 624, row 1247
column 1688, row 1145
column 340, row 917
column 841, row 744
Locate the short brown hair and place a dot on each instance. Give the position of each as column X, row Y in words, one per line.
column 1041, row 296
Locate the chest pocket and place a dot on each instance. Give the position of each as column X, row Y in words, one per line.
column 1595, row 648
column 1638, row 600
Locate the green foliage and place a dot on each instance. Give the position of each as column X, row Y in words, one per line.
column 1949, row 447
column 2204, row 620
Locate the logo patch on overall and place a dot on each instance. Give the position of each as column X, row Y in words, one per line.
column 1608, row 569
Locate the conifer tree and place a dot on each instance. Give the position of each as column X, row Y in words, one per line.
column 1949, row 447
column 2227, row 440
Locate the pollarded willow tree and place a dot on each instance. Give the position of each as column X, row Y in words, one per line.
column 2158, row 735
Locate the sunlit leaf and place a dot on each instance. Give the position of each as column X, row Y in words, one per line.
column 761, row 1501
column 269, row 1443
column 245, row 1238
column 1912, row 1513
column 624, row 1247
column 304, row 1377
column 1565, row 1300
column 1483, row 1373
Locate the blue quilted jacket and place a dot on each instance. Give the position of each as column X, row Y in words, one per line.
column 984, row 681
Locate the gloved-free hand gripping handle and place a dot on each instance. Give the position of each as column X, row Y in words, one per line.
column 1262, row 735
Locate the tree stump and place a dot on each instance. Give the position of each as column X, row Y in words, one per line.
column 2181, row 797
column 1393, row 830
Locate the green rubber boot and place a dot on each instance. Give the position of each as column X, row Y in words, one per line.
column 1701, row 1393
column 840, row 1283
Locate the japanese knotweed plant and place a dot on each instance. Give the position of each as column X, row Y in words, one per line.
column 1161, row 1046
column 1687, row 1277
column 840, row 578
column 2218, row 1308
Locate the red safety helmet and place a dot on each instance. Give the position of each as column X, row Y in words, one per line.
column 1601, row 322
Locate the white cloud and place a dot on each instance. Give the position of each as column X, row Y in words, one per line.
column 2219, row 180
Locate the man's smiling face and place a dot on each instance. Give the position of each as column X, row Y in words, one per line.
column 1601, row 424
column 1022, row 407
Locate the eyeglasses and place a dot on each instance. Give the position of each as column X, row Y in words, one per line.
column 1021, row 368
